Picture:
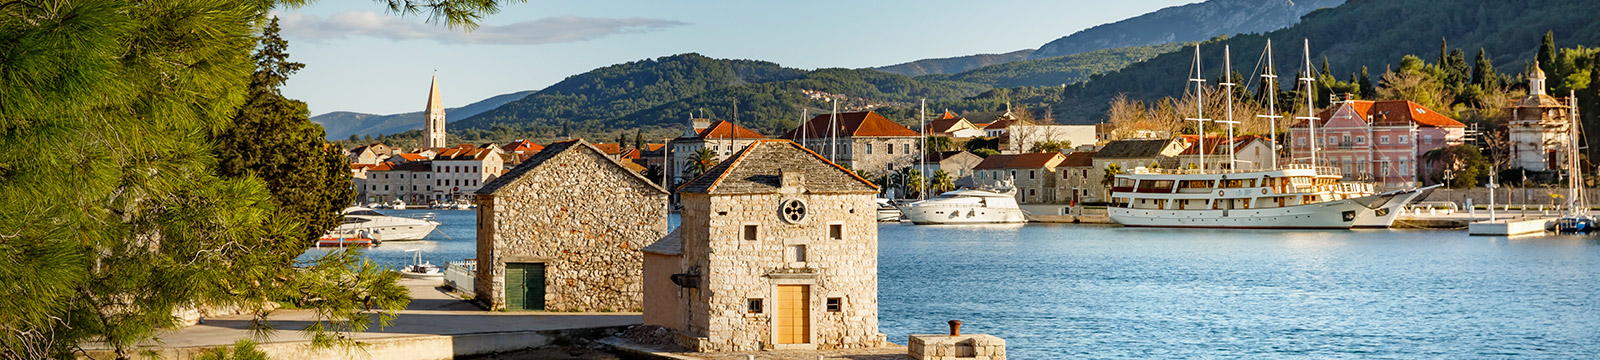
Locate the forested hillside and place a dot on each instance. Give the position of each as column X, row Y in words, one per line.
column 1371, row 34
column 951, row 65
column 1186, row 23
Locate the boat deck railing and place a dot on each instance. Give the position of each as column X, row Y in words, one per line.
column 1321, row 170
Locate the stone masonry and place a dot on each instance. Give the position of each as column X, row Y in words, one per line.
column 759, row 190
column 581, row 214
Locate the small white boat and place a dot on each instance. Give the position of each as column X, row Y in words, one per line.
column 462, row 205
column 967, row 206
column 887, row 212
column 420, row 269
column 380, row 227
column 397, row 204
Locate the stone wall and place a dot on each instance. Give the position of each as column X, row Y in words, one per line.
column 737, row 270
column 881, row 159
column 1510, row 195
column 582, row 215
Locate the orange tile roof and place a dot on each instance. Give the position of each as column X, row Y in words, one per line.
column 1389, row 112
column 524, row 146
column 609, row 149
column 1021, row 161
column 1078, row 159
column 722, row 129
column 865, row 123
column 943, row 125
column 947, row 115
column 654, row 147
column 412, row 156
column 631, row 154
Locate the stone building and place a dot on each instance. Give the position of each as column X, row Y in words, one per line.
column 1021, row 137
column 723, row 138
column 462, row 170
column 562, row 232
column 1033, row 175
column 1074, row 183
column 864, row 141
column 1250, row 152
column 433, row 126
column 1538, row 127
column 955, row 127
column 958, row 164
column 1130, row 154
column 411, row 182
column 371, row 153
column 778, row 250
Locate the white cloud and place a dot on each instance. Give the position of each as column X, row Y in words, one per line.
column 542, row 31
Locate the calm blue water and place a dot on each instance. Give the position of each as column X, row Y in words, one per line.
column 1053, row 291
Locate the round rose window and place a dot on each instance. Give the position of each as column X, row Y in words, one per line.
column 792, row 211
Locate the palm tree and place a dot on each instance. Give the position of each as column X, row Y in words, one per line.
column 941, row 182
column 912, row 180
column 699, row 163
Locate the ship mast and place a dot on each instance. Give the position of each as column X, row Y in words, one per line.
column 1575, row 197
column 1199, row 108
column 1270, row 80
column 1310, row 118
column 1227, row 88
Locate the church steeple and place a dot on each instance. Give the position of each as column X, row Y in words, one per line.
column 1536, row 80
column 433, row 126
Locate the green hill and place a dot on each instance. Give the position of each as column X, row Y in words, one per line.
column 1370, row 33
column 1060, row 70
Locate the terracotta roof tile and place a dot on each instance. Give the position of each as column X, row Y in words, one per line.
column 727, row 130
column 866, row 123
column 609, row 149
column 1389, row 112
column 1078, row 159
column 758, row 168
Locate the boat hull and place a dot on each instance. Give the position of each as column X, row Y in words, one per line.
column 1383, row 217
column 963, row 215
column 1340, row 214
column 398, row 231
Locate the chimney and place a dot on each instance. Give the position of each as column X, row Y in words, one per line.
column 791, row 182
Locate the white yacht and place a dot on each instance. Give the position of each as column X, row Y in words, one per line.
column 380, row 227
column 1293, row 197
column 966, row 206
column 887, row 212
column 1382, row 214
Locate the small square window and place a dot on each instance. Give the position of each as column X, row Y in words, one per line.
column 836, row 231
column 834, row 304
column 753, row 306
column 750, row 232
column 797, row 253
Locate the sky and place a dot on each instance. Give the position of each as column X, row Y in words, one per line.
column 361, row 58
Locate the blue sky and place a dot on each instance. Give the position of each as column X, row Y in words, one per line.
column 361, row 59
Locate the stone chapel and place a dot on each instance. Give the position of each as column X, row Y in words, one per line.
column 778, row 250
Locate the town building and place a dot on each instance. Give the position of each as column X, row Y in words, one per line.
column 1130, row 154
column 462, row 170
column 562, row 232
column 433, row 125
column 371, row 153
column 1538, row 127
column 958, row 164
column 1250, row 152
column 1074, row 183
column 955, row 127
column 778, row 249
column 722, row 137
column 864, row 141
column 1376, row 141
column 1033, row 175
column 411, row 182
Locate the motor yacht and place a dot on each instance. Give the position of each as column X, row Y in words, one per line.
column 887, row 212
column 380, row 227
column 966, row 206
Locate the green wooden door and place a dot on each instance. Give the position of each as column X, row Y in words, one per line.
column 524, row 286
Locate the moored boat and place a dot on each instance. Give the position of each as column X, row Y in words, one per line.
column 382, row 227
column 887, row 212
column 345, row 240
column 966, row 206
column 421, row 269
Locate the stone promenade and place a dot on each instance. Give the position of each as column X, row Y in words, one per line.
column 435, row 325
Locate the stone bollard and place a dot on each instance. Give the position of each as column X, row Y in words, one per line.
column 956, row 346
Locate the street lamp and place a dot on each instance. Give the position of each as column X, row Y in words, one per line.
column 1449, row 175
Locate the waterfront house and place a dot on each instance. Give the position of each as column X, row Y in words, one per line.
column 866, row 142
column 411, row 182
column 955, row 127
column 1135, row 153
column 462, row 170
column 958, row 164
column 723, row 138
column 1250, row 152
column 562, row 232
column 778, row 249
column 1377, row 141
column 1032, row 174
column 1074, row 183
column 371, row 153
column 1538, row 127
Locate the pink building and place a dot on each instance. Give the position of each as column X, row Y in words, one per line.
column 1376, row 141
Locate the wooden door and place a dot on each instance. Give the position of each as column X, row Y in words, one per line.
column 792, row 316
column 524, row 286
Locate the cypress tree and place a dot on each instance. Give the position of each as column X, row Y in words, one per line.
column 1547, row 58
column 1483, row 72
column 1365, row 85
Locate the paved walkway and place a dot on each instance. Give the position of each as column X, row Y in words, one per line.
column 891, row 352
column 431, row 312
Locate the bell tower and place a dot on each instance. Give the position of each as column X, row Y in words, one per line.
column 433, row 126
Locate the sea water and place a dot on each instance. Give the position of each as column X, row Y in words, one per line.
column 1087, row 291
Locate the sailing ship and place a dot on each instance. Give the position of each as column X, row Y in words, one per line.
column 1577, row 219
column 1292, row 196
